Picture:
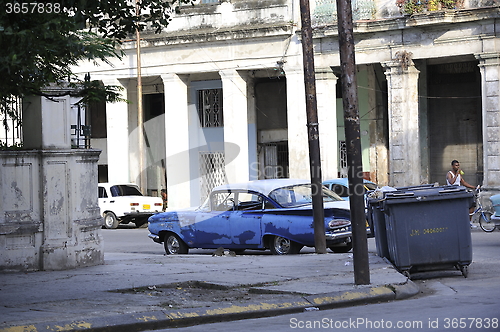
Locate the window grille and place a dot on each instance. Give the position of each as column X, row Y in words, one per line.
column 212, row 170
column 343, row 159
column 80, row 132
column 275, row 160
column 10, row 128
column 210, row 108
column 325, row 11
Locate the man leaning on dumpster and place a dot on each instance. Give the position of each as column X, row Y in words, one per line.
column 454, row 178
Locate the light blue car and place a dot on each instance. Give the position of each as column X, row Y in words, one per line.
column 495, row 200
column 340, row 186
column 264, row 214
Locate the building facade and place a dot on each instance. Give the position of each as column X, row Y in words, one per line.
column 224, row 98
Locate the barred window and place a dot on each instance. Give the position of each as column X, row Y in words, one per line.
column 210, row 108
column 275, row 159
column 212, row 171
column 343, row 159
column 10, row 122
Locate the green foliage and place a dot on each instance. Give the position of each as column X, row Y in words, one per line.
column 96, row 91
column 38, row 48
column 448, row 4
column 410, row 7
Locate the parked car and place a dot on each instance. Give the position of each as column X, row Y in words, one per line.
column 340, row 186
column 264, row 214
column 495, row 200
column 124, row 203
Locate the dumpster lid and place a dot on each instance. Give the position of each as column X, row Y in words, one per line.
column 427, row 193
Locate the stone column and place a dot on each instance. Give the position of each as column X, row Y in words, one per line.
column 326, row 97
column 298, row 145
column 117, row 121
column 178, row 152
column 489, row 64
column 50, row 213
column 46, row 122
column 69, row 209
column 404, row 141
column 235, row 105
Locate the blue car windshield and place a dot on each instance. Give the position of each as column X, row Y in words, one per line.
column 300, row 195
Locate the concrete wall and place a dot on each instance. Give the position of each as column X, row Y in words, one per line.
column 49, row 216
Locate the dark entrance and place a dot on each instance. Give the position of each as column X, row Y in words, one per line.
column 271, row 106
column 454, row 106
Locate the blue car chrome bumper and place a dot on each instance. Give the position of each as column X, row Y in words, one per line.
column 336, row 236
column 154, row 237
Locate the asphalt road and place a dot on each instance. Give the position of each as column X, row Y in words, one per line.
column 448, row 302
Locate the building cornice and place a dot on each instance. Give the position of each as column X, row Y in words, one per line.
column 424, row 20
column 212, row 34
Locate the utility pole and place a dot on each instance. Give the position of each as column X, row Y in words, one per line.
column 140, row 111
column 353, row 142
column 312, row 129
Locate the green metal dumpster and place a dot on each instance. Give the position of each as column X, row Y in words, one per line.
column 376, row 216
column 426, row 228
column 376, row 220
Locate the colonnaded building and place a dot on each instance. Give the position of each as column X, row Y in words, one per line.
column 224, row 97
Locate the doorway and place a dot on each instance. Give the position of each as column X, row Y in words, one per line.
column 454, row 115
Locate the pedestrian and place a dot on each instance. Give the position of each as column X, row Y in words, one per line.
column 164, row 197
column 455, row 178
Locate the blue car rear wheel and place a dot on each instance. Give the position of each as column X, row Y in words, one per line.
column 283, row 246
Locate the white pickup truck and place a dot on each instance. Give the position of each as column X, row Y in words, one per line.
column 124, row 203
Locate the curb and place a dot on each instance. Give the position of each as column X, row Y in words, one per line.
column 187, row 317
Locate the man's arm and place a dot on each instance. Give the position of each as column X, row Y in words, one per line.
column 451, row 178
column 465, row 184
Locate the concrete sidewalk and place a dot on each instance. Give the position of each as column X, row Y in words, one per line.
column 125, row 294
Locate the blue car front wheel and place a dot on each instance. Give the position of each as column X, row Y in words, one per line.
column 283, row 246
column 174, row 245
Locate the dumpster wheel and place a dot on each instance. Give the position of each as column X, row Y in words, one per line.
column 464, row 269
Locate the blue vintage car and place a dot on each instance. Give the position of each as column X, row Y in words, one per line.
column 264, row 214
column 340, row 186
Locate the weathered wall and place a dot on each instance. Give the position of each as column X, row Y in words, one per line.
column 49, row 215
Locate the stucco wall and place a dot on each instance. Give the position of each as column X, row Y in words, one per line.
column 49, row 215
